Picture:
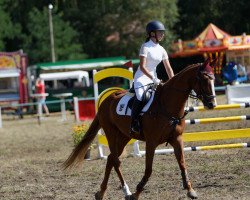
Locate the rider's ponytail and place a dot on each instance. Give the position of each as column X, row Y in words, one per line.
column 147, row 39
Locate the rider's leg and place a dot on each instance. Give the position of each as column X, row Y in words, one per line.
column 136, row 109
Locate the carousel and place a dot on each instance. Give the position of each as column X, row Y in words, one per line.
column 232, row 52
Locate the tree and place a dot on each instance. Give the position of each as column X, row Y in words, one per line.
column 117, row 27
column 231, row 16
column 37, row 41
column 8, row 30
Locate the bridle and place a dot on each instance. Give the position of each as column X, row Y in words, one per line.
column 201, row 94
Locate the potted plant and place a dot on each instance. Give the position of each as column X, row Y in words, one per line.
column 78, row 132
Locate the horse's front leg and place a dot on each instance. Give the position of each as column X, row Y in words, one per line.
column 177, row 144
column 150, row 150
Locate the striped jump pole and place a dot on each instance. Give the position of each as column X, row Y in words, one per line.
column 196, row 148
column 1, row 123
column 218, row 119
column 219, row 107
column 205, row 136
column 210, row 135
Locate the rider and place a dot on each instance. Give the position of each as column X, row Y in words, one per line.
column 151, row 54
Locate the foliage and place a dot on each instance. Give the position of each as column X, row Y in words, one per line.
column 78, row 133
column 119, row 27
column 9, row 30
column 109, row 27
column 37, row 42
column 88, row 27
column 195, row 15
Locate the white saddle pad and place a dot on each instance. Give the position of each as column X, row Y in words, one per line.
column 122, row 106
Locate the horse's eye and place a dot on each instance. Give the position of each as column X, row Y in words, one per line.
column 210, row 76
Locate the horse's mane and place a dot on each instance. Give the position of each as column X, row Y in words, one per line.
column 188, row 68
column 179, row 75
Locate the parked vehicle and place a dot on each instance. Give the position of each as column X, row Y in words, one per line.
column 75, row 77
column 13, row 80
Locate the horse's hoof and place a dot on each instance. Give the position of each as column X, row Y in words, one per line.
column 98, row 196
column 192, row 194
column 130, row 197
column 127, row 197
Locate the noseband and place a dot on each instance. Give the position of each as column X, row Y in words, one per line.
column 201, row 93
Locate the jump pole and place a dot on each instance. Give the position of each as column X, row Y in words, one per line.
column 220, row 107
column 195, row 148
column 204, row 136
column 97, row 76
column 217, row 119
column 1, row 124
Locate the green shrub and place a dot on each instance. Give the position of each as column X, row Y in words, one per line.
column 78, row 132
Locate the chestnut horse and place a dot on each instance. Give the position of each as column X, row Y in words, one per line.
column 163, row 122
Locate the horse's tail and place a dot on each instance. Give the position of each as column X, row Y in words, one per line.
column 77, row 155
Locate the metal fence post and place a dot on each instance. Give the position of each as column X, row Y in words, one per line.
column 1, row 124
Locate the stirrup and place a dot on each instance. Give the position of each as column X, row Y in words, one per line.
column 135, row 130
column 133, row 133
column 135, row 127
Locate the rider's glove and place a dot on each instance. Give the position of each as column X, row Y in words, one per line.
column 156, row 81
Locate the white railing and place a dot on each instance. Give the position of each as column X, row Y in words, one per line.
column 39, row 113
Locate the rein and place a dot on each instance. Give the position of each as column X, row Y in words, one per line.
column 174, row 121
column 201, row 95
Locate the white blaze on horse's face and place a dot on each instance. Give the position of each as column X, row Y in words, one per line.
column 205, row 91
column 208, row 91
column 213, row 90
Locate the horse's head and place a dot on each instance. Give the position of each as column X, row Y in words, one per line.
column 204, row 87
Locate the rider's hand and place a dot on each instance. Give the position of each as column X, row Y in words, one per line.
column 156, row 81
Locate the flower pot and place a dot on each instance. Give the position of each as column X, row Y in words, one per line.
column 87, row 155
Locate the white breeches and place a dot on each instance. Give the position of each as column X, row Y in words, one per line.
column 139, row 92
column 141, row 82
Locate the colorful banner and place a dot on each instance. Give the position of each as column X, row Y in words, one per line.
column 10, row 60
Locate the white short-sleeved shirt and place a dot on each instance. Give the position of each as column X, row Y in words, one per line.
column 154, row 54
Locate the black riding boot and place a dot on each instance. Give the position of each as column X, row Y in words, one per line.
column 136, row 109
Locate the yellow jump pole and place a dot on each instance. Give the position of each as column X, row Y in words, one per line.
column 220, row 107
column 217, row 119
column 99, row 98
column 222, row 146
column 216, row 135
column 198, row 148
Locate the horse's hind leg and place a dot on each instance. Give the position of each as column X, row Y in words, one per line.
column 150, row 151
column 116, row 144
column 177, row 144
column 116, row 151
column 99, row 195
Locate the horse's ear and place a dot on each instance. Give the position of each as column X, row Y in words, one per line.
column 212, row 64
column 207, row 66
column 206, row 62
column 202, row 67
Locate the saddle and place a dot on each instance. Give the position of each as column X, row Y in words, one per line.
column 124, row 106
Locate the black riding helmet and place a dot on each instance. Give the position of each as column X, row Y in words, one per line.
column 154, row 26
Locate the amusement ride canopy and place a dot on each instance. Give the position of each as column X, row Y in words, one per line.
column 213, row 42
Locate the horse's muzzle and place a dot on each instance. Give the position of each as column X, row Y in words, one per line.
column 209, row 101
column 211, row 105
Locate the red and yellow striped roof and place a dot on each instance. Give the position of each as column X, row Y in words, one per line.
column 212, row 32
